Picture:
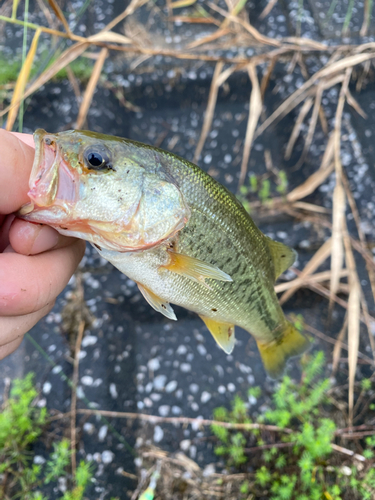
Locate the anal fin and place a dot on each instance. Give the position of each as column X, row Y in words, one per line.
column 194, row 269
column 223, row 333
column 157, row 303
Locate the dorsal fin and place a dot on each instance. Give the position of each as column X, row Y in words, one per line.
column 282, row 256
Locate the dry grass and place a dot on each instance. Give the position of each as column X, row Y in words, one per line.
column 231, row 27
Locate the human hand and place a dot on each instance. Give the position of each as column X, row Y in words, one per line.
column 36, row 262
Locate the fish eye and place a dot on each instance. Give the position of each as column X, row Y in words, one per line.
column 97, row 159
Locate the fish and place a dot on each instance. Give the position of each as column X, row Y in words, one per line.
column 178, row 233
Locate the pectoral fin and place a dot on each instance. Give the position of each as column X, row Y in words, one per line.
column 157, row 303
column 223, row 333
column 194, row 269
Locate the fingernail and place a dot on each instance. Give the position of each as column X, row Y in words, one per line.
column 46, row 239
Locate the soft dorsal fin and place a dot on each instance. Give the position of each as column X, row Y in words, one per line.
column 282, row 256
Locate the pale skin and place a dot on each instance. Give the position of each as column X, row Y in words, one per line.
column 36, row 262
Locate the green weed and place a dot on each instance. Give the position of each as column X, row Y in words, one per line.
column 298, row 464
column 21, row 424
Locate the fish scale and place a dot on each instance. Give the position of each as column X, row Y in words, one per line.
column 173, row 229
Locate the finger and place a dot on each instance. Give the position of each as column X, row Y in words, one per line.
column 7, row 349
column 29, row 283
column 4, row 232
column 16, row 161
column 28, row 238
column 14, row 328
column 26, row 138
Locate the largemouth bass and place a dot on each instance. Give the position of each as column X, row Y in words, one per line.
column 170, row 227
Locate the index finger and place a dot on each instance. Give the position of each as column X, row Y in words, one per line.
column 16, row 161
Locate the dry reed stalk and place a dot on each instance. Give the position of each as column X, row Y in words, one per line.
column 73, row 82
column 297, row 127
column 255, row 109
column 19, row 89
column 59, row 14
column 73, row 406
column 337, row 256
column 310, row 207
column 178, row 4
column 354, row 104
column 66, row 57
column 267, row 76
column 318, row 177
column 354, row 314
column 209, row 114
column 312, row 125
column 267, row 9
column 336, row 355
column 332, row 341
column 209, row 38
column 311, row 278
column 300, row 94
column 316, row 260
column 250, row 29
column 91, row 87
column 154, row 419
column 339, row 198
column 366, row 17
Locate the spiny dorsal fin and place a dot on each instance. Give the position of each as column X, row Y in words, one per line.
column 282, row 256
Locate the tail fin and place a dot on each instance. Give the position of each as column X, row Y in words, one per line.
column 275, row 354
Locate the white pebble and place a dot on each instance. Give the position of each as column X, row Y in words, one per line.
column 153, row 364
column 107, row 457
column 89, row 340
column 201, row 349
column 159, row 382
column 185, row 367
column 57, row 369
column 171, row 386
column 206, row 396
column 47, row 386
column 80, row 392
column 163, row 410
column 185, row 444
column 208, row 470
column 231, row 387
column 113, row 390
column 88, row 427
column 194, row 388
column 87, row 380
column 102, row 434
column 176, row 410
column 158, row 434
column 182, row 349
column 39, row 460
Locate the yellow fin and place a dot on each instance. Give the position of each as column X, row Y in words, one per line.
column 194, row 269
column 157, row 303
column 223, row 333
column 282, row 256
column 275, row 354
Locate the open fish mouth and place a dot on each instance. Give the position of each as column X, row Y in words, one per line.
column 52, row 182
